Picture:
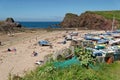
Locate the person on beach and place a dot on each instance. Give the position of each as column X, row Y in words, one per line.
column 0, row 43
column 51, row 47
column 34, row 53
column 9, row 49
column 14, row 49
column 64, row 42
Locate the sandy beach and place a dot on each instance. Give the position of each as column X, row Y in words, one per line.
column 25, row 43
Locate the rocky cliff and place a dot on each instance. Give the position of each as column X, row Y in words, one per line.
column 9, row 25
column 87, row 20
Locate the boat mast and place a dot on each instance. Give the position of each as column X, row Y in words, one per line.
column 113, row 23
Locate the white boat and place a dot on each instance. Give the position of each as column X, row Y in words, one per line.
column 111, row 42
column 116, row 35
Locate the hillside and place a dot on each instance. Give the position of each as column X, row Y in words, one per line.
column 100, row 20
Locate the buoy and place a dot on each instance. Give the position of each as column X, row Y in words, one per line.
column 110, row 60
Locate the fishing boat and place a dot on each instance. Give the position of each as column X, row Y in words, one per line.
column 114, row 42
column 103, row 41
column 116, row 35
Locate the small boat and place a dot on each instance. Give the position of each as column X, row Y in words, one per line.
column 100, row 46
column 116, row 35
column 114, row 42
column 102, row 41
column 116, row 31
column 74, row 34
column 43, row 43
column 88, row 36
column 96, row 38
column 68, row 37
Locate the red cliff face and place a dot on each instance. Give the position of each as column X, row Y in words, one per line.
column 87, row 20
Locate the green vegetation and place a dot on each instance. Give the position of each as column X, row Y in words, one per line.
column 109, row 14
column 71, row 15
column 74, row 72
column 84, row 56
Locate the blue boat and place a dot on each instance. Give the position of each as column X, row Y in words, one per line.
column 44, row 43
column 116, row 31
column 109, row 33
column 103, row 41
column 89, row 36
column 96, row 38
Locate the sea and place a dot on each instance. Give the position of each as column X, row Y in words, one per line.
column 32, row 25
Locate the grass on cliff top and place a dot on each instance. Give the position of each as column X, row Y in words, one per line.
column 75, row 72
column 109, row 14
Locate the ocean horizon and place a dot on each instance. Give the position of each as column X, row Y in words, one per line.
column 40, row 24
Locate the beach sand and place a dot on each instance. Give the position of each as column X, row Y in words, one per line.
column 25, row 43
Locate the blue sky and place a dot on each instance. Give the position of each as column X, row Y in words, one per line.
column 51, row 10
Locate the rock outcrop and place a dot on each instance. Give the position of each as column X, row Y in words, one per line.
column 87, row 20
column 10, row 20
column 9, row 25
column 70, row 20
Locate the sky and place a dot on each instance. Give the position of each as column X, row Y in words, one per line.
column 51, row 10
